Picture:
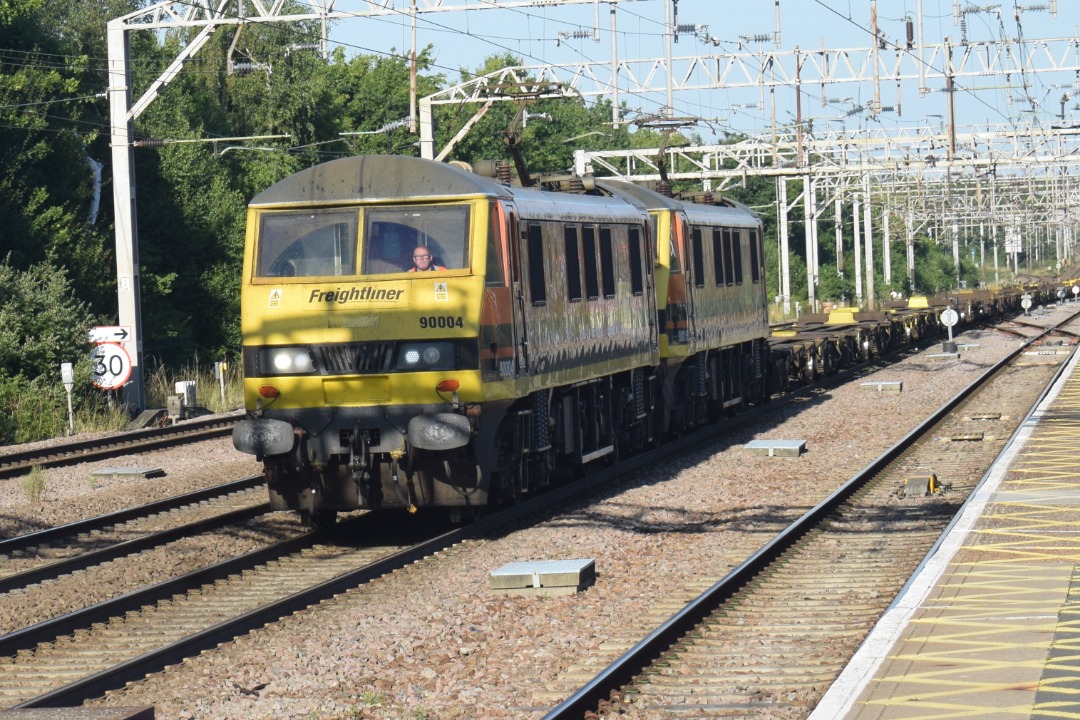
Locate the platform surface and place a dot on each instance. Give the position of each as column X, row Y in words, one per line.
column 989, row 627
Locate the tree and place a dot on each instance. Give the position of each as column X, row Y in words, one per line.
column 42, row 323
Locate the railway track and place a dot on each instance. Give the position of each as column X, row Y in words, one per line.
column 770, row 637
column 216, row 604
column 36, row 651
column 116, row 445
column 48, row 554
column 65, row 660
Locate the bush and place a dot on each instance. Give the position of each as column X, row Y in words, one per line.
column 37, row 409
column 31, row 410
column 41, row 322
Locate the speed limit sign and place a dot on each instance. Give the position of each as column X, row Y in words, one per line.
column 111, row 366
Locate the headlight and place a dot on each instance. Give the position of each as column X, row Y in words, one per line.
column 426, row 356
column 288, row 361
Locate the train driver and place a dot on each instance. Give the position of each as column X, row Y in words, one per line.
column 423, row 261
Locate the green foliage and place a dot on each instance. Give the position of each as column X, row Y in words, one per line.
column 41, row 322
column 833, row 287
column 935, row 269
column 161, row 383
column 34, row 485
column 31, row 409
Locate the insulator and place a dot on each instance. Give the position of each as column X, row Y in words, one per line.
column 910, row 33
column 686, row 28
column 302, row 46
column 503, row 172
column 707, row 198
column 150, row 143
column 760, row 38
column 664, row 188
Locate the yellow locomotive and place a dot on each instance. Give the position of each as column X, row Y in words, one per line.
column 532, row 349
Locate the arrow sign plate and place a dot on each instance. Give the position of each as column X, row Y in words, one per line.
column 109, row 333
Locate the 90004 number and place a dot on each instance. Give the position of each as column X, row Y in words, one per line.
column 431, row 322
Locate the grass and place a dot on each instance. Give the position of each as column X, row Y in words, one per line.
column 160, row 383
column 34, row 485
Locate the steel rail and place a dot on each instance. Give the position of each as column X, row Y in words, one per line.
column 80, row 451
column 129, row 547
column 40, row 537
column 635, row 660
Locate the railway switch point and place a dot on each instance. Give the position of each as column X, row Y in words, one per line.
column 543, row 577
column 891, row 387
column 776, row 448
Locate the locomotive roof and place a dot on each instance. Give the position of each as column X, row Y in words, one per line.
column 376, row 177
column 731, row 212
column 649, row 198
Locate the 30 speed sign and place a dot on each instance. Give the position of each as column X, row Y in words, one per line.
column 111, row 366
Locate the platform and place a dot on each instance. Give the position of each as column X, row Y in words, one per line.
column 989, row 626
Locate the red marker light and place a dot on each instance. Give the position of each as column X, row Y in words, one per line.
column 447, row 386
column 269, row 391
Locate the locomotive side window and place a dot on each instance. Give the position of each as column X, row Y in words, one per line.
column 679, row 232
column 637, row 277
column 698, row 252
column 573, row 264
column 308, row 244
column 718, row 254
column 607, row 263
column 495, row 274
column 729, row 261
column 588, row 248
column 392, row 233
column 736, row 250
column 755, row 269
column 537, row 282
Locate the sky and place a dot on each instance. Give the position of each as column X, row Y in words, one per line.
column 463, row 39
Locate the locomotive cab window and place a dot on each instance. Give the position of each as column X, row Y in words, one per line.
column 391, row 234
column 308, row 244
